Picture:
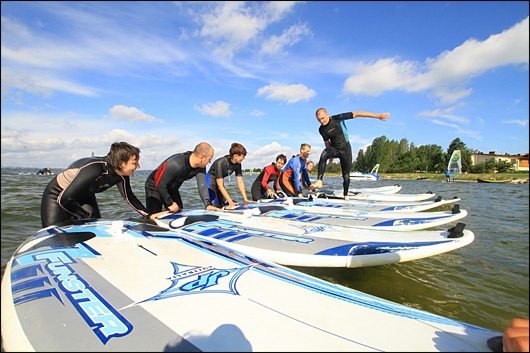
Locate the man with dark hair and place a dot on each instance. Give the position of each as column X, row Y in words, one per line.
column 335, row 134
column 162, row 185
column 71, row 195
column 223, row 167
column 271, row 173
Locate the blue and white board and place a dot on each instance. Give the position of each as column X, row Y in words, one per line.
column 376, row 196
column 373, row 206
column 298, row 243
column 347, row 217
column 389, row 189
column 124, row 286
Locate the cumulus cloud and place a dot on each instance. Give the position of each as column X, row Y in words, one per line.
column 230, row 26
column 218, row 108
column 450, row 68
column 131, row 114
column 287, row 93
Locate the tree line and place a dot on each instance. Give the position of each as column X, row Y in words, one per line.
column 404, row 157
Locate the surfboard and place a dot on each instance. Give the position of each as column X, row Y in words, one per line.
column 356, row 218
column 389, row 189
column 375, row 206
column 305, row 244
column 375, row 196
column 125, row 286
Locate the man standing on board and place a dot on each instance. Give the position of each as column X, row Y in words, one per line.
column 335, row 134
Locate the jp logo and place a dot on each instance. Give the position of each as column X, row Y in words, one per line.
column 197, row 280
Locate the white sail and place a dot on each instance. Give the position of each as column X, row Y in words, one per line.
column 455, row 164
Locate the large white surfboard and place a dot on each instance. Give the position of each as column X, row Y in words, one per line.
column 124, row 286
column 304, row 244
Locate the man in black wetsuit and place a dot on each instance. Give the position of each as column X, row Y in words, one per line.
column 71, row 195
column 162, row 185
column 335, row 134
column 223, row 167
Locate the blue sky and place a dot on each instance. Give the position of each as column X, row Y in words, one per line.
column 164, row 76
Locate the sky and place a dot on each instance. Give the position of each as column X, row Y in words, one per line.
column 165, row 76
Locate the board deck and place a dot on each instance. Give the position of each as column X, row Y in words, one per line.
column 347, row 217
column 373, row 206
column 299, row 243
column 376, row 196
column 125, row 286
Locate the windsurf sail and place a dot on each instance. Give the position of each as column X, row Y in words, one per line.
column 455, row 164
column 375, row 169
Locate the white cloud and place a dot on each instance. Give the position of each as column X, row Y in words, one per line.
column 288, row 93
column 289, row 37
column 516, row 121
column 131, row 114
column 230, row 26
column 218, row 108
column 454, row 67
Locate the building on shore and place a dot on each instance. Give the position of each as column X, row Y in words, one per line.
column 519, row 161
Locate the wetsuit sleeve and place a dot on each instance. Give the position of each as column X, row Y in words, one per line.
column 266, row 177
column 296, row 174
column 202, row 185
column 126, row 192
column 78, row 187
column 305, row 175
column 343, row 116
column 238, row 170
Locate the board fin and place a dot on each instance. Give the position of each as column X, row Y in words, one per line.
column 457, row 231
column 455, row 209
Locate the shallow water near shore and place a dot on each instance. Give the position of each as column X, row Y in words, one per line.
column 485, row 283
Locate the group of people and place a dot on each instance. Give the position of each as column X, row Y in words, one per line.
column 71, row 195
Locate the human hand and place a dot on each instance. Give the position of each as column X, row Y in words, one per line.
column 173, row 208
column 515, row 337
column 384, row 116
column 158, row 214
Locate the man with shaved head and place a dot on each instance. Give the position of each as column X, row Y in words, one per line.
column 162, row 185
column 335, row 134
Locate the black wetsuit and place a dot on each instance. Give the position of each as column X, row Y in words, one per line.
column 162, row 185
column 261, row 184
column 337, row 134
column 72, row 194
column 220, row 169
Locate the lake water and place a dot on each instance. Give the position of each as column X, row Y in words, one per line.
column 484, row 283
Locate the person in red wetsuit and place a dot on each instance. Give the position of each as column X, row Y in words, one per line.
column 71, row 195
column 162, row 185
column 271, row 173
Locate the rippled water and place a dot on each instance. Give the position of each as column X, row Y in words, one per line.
column 484, row 283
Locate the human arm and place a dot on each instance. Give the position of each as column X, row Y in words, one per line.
column 224, row 192
column 241, row 186
column 75, row 184
column 202, row 185
column 353, row 115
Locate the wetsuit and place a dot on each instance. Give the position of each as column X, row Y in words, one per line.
column 337, row 134
column 290, row 180
column 162, row 185
column 220, row 169
column 72, row 194
column 261, row 184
